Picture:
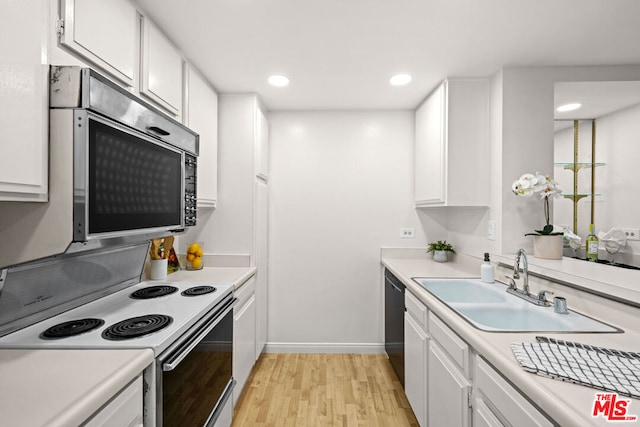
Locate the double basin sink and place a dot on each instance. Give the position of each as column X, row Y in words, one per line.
column 487, row 306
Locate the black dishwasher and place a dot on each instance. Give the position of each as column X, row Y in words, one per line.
column 394, row 322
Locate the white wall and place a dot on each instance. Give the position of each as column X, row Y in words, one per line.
column 341, row 187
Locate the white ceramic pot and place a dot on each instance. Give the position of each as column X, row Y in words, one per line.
column 440, row 256
column 547, row 247
column 158, row 269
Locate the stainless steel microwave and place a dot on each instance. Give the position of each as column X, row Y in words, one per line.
column 120, row 171
column 134, row 168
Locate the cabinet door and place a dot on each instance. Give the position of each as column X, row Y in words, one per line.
column 24, row 99
column 430, row 167
column 448, row 391
column 244, row 344
column 201, row 115
column 161, row 70
column 261, row 251
column 468, row 142
column 105, row 33
column 125, row 409
column 453, row 145
column 506, row 403
column 262, row 146
column 415, row 368
column 483, row 417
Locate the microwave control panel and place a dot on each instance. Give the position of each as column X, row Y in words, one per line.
column 190, row 190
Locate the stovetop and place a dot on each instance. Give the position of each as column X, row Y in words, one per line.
column 173, row 305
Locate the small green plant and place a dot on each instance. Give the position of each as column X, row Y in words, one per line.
column 441, row 246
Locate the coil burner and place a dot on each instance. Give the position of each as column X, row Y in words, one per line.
column 136, row 327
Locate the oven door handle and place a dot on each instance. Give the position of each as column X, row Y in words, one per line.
column 174, row 361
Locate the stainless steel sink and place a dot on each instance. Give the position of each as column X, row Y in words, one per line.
column 489, row 307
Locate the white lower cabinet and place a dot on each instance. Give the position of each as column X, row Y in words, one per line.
column 500, row 403
column 449, row 386
column 244, row 335
column 448, row 391
column 125, row 409
column 483, row 417
column 416, row 343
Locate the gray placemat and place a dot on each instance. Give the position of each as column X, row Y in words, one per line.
column 601, row 368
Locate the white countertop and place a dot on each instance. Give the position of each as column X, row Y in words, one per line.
column 236, row 275
column 63, row 387
column 568, row 404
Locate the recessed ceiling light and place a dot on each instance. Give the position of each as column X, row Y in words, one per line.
column 400, row 79
column 568, row 107
column 278, row 80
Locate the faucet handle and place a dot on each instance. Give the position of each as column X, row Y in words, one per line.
column 542, row 295
column 512, row 282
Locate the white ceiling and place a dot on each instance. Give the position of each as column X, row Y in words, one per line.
column 597, row 98
column 340, row 54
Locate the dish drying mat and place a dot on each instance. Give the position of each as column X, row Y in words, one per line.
column 601, row 368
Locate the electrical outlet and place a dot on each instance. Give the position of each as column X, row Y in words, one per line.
column 491, row 229
column 631, row 233
column 407, row 233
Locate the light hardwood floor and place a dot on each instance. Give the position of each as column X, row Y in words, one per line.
column 323, row 390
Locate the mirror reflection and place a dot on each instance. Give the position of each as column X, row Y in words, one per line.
column 597, row 164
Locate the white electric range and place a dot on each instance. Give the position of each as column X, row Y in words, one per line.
column 189, row 327
column 121, row 320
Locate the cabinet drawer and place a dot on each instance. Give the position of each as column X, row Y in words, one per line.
column 417, row 310
column 507, row 402
column 245, row 291
column 457, row 349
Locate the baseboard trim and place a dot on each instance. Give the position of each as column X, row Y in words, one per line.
column 329, row 348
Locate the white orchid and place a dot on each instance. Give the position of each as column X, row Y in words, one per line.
column 529, row 184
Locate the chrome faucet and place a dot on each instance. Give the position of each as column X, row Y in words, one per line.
column 539, row 299
column 521, row 254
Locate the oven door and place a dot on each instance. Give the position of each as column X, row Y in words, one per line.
column 194, row 379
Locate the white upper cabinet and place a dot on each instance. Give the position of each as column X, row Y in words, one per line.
column 262, row 146
column 161, row 70
column 201, row 115
column 452, row 145
column 24, row 98
column 106, row 33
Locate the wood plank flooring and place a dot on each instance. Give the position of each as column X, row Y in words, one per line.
column 323, row 390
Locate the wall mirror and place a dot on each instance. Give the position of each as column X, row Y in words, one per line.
column 597, row 164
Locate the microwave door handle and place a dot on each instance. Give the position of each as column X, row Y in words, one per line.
column 158, row 130
column 175, row 361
